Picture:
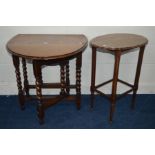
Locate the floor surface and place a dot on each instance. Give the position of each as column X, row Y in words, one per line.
column 64, row 115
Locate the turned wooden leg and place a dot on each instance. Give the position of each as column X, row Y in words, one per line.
column 114, row 84
column 16, row 63
column 93, row 76
column 37, row 73
column 62, row 79
column 34, row 68
column 67, row 79
column 78, row 80
column 138, row 70
column 26, row 83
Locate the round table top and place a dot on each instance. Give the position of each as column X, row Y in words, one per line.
column 46, row 46
column 119, row 41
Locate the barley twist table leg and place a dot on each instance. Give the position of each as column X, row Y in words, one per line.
column 62, row 78
column 67, row 79
column 78, row 80
column 16, row 63
column 38, row 76
column 26, row 83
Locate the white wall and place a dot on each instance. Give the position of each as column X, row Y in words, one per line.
column 104, row 61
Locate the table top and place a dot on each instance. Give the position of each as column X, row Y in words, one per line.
column 46, row 46
column 119, row 41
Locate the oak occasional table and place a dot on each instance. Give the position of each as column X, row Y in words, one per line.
column 117, row 44
column 47, row 50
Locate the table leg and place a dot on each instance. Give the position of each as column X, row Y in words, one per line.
column 114, row 83
column 16, row 63
column 93, row 76
column 78, row 80
column 38, row 76
column 67, row 79
column 26, row 83
column 62, row 79
column 138, row 70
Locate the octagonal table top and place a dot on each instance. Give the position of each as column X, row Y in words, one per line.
column 119, row 41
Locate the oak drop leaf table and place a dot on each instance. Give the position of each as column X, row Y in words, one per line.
column 116, row 44
column 47, row 50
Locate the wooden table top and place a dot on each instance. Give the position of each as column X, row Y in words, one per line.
column 46, row 46
column 119, row 41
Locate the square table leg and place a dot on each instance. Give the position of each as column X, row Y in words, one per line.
column 138, row 70
column 93, row 76
column 114, row 83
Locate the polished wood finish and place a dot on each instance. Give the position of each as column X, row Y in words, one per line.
column 117, row 44
column 47, row 50
column 119, row 41
column 46, row 46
